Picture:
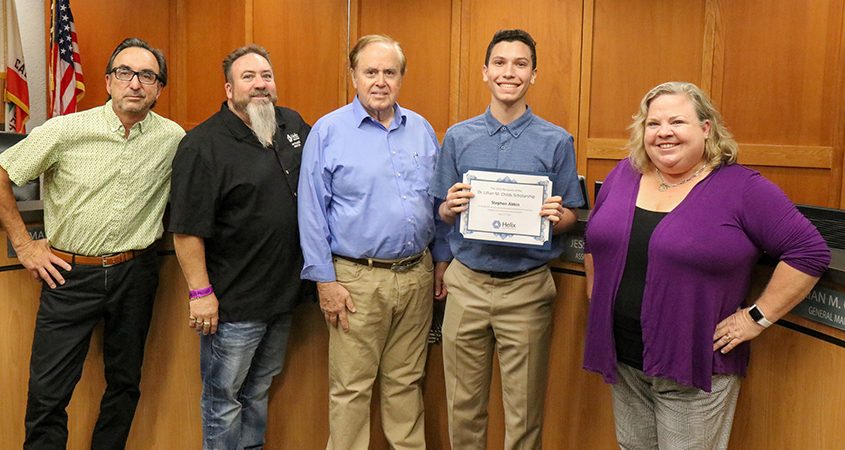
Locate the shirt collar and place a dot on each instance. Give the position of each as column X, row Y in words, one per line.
column 515, row 128
column 116, row 126
column 361, row 114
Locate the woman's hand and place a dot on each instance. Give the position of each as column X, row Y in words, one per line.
column 734, row 330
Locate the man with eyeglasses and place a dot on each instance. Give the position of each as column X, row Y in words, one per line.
column 106, row 181
column 233, row 212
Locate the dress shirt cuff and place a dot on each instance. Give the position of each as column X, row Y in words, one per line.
column 321, row 273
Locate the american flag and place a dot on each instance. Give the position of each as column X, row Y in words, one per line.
column 67, row 86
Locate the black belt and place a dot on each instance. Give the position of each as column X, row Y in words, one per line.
column 506, row 275
column 395, row 265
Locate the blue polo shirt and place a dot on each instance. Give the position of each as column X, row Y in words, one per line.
column 528, row 144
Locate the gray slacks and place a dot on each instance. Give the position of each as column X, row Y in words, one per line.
column 657, row 413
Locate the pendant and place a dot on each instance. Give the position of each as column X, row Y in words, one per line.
column 663, row 187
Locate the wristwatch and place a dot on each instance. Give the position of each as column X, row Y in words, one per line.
column 757, row 316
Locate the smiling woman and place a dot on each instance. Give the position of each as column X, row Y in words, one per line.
column 666, row 316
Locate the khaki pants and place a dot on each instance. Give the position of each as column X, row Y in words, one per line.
column 512, row 316
column 387, row 337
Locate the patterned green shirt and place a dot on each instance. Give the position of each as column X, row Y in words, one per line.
column 103, row 193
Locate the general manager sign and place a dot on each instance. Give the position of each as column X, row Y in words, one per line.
column 823, row 305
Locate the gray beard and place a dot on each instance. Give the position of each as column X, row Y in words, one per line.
column 262, row 119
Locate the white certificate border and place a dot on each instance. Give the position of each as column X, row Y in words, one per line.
column 540, row 240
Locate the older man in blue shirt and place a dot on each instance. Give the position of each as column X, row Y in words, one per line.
column 366, row 223
column 500, row 298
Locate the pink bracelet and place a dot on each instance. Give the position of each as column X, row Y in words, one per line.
column 194, row 294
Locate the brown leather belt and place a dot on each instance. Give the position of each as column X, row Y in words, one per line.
column 395, row 265
column 102, row 261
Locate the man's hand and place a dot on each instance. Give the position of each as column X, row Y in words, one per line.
column 456, row 202
column 203, row 317
column 562, row 219
column 440, row 290
column 335, row 301
column 36, row 257
column 553, row 209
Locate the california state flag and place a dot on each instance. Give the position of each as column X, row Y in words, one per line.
column 16, row 95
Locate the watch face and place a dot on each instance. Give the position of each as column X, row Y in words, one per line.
column 756, row 315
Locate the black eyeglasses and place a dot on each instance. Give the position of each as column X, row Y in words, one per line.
column 126, row 74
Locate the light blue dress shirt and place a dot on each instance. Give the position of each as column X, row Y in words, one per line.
column 363, row 190
column 528, row 144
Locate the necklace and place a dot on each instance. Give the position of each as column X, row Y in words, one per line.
column 664, row 186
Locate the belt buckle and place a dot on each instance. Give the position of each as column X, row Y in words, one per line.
column 405, row 265
column 401, row 267
column 104, row 260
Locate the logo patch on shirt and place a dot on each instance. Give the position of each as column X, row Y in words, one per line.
column 293, row 138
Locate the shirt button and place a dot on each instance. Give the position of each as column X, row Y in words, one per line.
column 410, row 220
column 398, row 174
column 404, row 197
column 294, row 194
column 287, row 172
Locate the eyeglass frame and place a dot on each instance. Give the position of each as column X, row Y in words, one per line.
column 134, row 74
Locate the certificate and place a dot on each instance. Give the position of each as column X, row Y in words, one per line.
column 506, row 208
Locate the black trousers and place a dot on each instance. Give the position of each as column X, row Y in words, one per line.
column 123, row 297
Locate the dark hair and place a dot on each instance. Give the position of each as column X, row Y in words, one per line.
column 511, row 36
column 140, row 43
column 372, row 39
column 241, row 51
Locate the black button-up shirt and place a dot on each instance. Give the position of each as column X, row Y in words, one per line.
column 241, row 198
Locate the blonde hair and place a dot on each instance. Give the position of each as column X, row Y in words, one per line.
column 372, row 39
column 719, row 146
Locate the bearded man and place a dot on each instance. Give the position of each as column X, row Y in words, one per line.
column 233, row 212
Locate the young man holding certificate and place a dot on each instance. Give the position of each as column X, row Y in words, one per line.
column 500, row 286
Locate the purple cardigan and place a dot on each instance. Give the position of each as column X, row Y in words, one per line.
column 700, row 260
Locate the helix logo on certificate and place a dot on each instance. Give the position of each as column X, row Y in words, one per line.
column 506, row 208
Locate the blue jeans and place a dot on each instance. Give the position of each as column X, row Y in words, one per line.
column 237, row 365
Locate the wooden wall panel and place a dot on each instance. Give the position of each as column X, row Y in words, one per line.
column 423, row 27
column 636, row 46
column 779, row 68
column 774, row 71
column 555, row 25
column 203, row 33
column 19, row 294
column 102, row 25
column 631, row 47
column 802, row 185
column 307, row 43
column 792, row 396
